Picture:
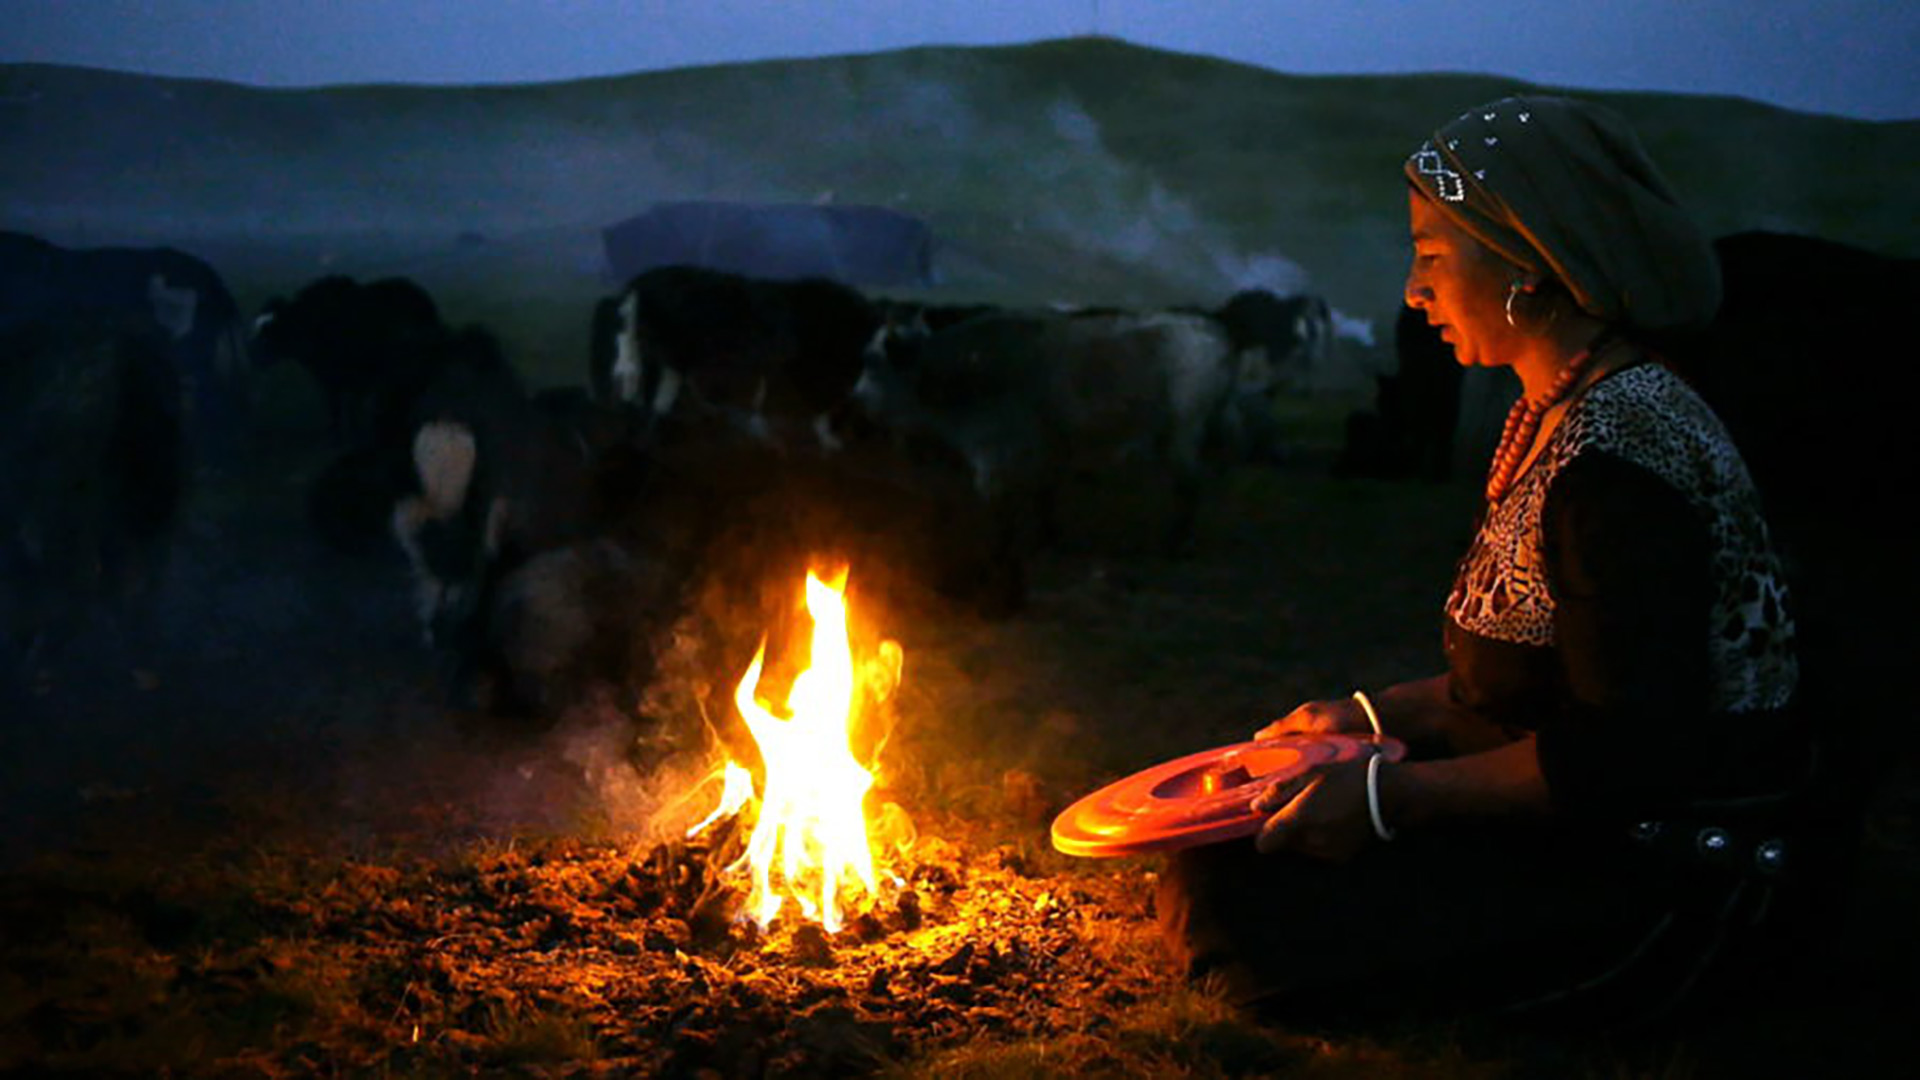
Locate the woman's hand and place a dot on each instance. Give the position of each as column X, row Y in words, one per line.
column 1322, row 814
column 1337, row 716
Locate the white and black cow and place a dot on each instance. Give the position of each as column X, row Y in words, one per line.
column 603, row 354
column 350, row 501
column 1028, row 399
column 177, row 296
column 92, row 477
column 773, row 358
column 367, row 345
column 510, row 525
column 1278, row 342
column 907, row 321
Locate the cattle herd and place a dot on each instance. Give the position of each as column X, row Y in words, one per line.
column 728, row 427
column 115, row 365
column 553, row 534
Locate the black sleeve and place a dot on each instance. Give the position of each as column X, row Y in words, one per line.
column 1629, row 562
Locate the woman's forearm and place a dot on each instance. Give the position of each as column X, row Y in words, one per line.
column 1423, row 714
column 1415, row 711
column 1499, row 782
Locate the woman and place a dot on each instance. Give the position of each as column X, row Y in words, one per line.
column 1595, row 788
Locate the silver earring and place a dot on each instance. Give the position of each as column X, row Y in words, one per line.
column 1514, row 288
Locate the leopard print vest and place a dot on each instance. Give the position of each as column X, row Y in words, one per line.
column 1647, row 416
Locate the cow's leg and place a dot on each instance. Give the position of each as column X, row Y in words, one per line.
column 230, row 401
column 444, row 456
column 1045, row 506
column 757, row 426
column 132, row 570
column 1179, row 537
column 629, row 367
column 337, row 415
column 666, row 393
column 823, row 433
column 998, row 584
column 989, row 521
column 1188, row 476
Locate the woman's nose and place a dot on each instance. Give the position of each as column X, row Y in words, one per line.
column 1416, row 293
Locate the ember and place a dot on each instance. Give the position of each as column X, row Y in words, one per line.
column 810, row 839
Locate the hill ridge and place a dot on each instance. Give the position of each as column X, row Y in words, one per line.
column 1087, row 169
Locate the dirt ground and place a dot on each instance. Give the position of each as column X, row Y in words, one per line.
column 266, row 846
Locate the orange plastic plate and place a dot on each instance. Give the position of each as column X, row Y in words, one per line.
column 1202, row 798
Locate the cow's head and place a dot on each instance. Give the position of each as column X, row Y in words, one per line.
column 629, row 374
column 173, row 307
column 889, row 359
column 451, row 535
column 263, row 346
column 296, row 329
column 1278, row 341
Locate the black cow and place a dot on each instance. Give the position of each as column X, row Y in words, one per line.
column 571, row 622
column 1026, row 400
column 766, row 356
column 33, row 279
column 92, row 475
column 1409, row 431
column 176, row 297
column 367, row 345
column 1805, row 364
column 1804, row 329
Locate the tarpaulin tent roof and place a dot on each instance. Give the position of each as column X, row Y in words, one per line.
column 857, row 245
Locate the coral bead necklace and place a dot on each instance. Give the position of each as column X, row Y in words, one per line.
column 1523, row 420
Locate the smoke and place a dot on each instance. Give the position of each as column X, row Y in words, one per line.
column 1072, row 123
column 653, row 765
column 640, row 788
column 941, row 137
column 1352, row 328
column 918, row 108
column 1033, row 193
column 1109, row 206
column 1268, row 270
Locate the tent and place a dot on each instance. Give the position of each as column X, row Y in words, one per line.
column 856, row 245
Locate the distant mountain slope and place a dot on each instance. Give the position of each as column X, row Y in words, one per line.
column 1085, row 169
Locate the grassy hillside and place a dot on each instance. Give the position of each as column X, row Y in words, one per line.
column 1087, row 170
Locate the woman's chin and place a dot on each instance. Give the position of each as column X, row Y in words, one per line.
column 1469, row 356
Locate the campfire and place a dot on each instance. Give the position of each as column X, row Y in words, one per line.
column 810, row 839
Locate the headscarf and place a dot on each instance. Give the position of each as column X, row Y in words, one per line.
column 1563, row 189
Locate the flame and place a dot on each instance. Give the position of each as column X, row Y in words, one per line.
column 735, row 791
column 810, row 840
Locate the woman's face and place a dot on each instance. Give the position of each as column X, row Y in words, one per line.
column 1460, row 285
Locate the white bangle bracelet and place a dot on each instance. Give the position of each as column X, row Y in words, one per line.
column 1373, row 717
column 1373, row 798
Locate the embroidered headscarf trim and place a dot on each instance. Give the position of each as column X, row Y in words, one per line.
column 1562, row 188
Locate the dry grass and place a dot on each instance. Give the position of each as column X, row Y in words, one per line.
column 438, row 926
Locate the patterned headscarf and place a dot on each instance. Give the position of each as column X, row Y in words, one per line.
column 1563, row 189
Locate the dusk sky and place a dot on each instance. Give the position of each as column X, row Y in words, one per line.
column 1857, row 58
